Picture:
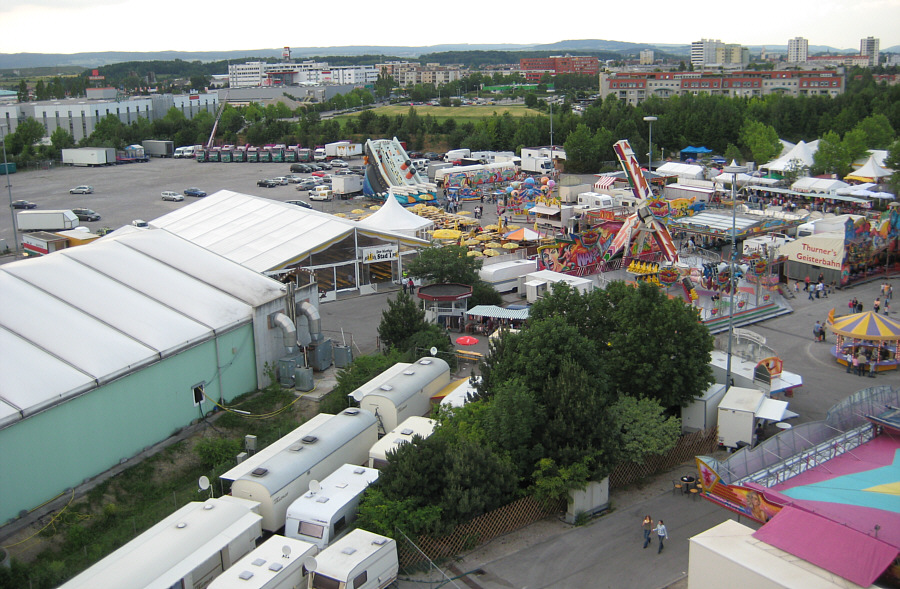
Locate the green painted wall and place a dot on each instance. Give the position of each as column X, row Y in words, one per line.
column 60, row 448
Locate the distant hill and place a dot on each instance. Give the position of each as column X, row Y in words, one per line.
column 100, row 58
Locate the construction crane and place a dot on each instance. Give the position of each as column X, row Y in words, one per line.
column 212, row 135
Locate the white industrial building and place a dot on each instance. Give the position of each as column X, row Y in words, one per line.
column 273, row 237
column 125, row 341
column 259, row 73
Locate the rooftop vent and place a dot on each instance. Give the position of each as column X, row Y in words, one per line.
column 259, row 472
column 424, row 361
column 321, row 499
column 351, row 411
column 341, row 485
column 409, row 372
column 386, row 387
column 359, row 470
column 407, row 431
column 348, row 550
column 181, row 525
column 259, row 562
column 275, row 567
column 379, row 541
column 245, row 576
column 295, row 447
column 309, row 439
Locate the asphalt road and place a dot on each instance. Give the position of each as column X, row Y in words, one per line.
column 132, row 191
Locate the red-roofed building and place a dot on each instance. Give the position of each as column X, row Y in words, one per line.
column 535, row 67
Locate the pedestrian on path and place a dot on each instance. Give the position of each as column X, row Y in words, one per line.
column 817, row 329
column 860, row 363
column 662, row 534
column 806, row 283
column 855, row 362
column 872, row 367
column 810, row 292
column 647, row 527
column 877, row 305
column 849, row 358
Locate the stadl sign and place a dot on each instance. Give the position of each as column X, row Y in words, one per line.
column 385, row 253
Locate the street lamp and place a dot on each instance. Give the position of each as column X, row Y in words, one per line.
column 12, row 211
column 734, row 169
column 651, row 120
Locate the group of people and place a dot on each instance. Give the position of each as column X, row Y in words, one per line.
column 819, row 289
column 660, row 530
column 819, row 332
column 865, row 361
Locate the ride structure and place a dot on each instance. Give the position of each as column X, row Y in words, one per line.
column 642, row 229
column 390, row 171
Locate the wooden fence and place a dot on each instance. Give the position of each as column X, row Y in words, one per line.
column 528, row 510
column 688, row 446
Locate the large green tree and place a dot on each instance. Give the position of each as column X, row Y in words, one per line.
column 761, row 140
column 449, row 264
column 402, row 319
column 832, row 156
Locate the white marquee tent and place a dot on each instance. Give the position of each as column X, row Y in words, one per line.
column 801, row 156
column 393, row 217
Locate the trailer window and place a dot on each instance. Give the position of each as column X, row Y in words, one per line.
column 311, row 530
column 361, row 579
column 325, row 582
column 339, row 525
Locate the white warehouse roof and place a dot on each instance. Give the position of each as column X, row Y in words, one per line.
column 263, row 234
column 99, row 311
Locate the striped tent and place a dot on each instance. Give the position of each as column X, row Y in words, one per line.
column 867, row 326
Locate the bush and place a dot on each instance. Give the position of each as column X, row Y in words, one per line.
column 217, row 451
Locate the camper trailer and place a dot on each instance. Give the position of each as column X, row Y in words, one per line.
column 402, row 391
column 325, row 512
column 281, row 473
column 276, row 564
column 403, row 433
column 187, row 549
column 359, row 560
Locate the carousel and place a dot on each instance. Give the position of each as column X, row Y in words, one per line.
column 870, row 332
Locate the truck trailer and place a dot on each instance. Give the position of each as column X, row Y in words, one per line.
column 342, row 150
column 154, row 148
column 537, row 165
column 361, row 560
column 89, row 156
column 281, row 473
column 46, row 220
column 346, row 185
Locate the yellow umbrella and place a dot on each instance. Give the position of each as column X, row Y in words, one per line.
column 491, row 253
column 475, row 254
column 471, row 242
column 358, row 212
column 342, row 215
column 492, row 244
column 464, row 213
column 510, row 246
column 484, row 237
column 468, row 222
column 447, row 234
column 513, row 227
column 491, row 227
column 374, row 207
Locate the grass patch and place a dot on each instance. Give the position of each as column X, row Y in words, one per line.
column 460, row 113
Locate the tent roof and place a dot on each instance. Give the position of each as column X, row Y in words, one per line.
column 802, row 152
column 867, row 325
column 125, row 301
column 846, row 552
column 818, row 185
column 498, row 312
column 692, row 149
column 263, row 234
column 679, row 169
column 523, row 234
column 393, row 217
column 869, row 171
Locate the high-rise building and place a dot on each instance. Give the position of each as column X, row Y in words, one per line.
column 704, row 52
column 870, row 48
column 647, row 57
column 798, row 50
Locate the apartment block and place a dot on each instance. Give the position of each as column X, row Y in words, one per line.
column 870, row 48
column 798, row 50
column 534, row 68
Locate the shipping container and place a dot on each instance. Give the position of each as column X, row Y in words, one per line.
column 57, row 220
column 154, row 148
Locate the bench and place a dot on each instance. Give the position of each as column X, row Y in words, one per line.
column 468, row 356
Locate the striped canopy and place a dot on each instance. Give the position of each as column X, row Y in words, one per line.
column 868, row 325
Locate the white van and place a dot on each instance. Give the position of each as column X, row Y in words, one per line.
column 325, row 513
column 321, row 192
column 359, row 560
column 184, row 152
column 319, row 154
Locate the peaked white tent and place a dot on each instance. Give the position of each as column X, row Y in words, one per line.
column 869, row 172
column 818, row 185
column 393, row 217
column 690, row 171
column 802, row 153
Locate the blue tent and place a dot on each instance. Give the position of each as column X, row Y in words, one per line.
column 691, row 151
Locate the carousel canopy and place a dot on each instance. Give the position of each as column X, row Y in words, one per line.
column 867, row 326
column 523, row 234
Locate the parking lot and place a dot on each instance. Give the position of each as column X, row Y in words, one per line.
column 133, row 191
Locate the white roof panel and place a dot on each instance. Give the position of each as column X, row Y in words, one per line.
column 261, row 234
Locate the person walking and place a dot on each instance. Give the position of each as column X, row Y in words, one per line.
column 849, row 358
column 855, row 362
column 806, row 283
column 810, row 291
column 877, row 305
column 817, row 328
column 860, row 363
column 647, row 528
column 873, row 364
column 662, row 534
column 411, row 286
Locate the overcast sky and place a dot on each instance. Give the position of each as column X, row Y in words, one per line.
column 73, row 26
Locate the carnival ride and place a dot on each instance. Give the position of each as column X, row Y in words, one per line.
column 642, row 225
column 390, row 171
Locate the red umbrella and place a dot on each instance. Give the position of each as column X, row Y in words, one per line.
column 467, row 340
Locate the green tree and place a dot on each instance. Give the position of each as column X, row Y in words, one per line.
column 732, row 153
column 449, row 264
column 359, row 372
column 831, row 157
column 22, row 92
column 854, row 144
column 419, row 344
column 644, row 429
column 199, row 82
column 582, row 154
column 40, row 91
column 61, row 139
column 892, row 161
column 761, row 140
column 27, row 133
column 879, row 134
column 401, row 320
column 531, row 100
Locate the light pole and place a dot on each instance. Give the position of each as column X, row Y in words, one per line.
column 12, row 211
column 651, row 120
column 734, row 169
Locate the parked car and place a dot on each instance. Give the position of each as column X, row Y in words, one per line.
column 86, row 215
column 358, row 169
column 319, row 174
column 324, row 165
column 140, row 223
column 338, row 163
column 308, row 184
column 23, row 204
column 299, row 203
column 266, row 183
column 82, row 190
column 294, row 178
column 321, row 193
column 282, row 181
column 315, row 167
column 432, row 155
column 301, row 168
column 172, row 195
column 194, row 192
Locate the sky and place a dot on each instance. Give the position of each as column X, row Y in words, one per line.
column 74, row 26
